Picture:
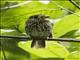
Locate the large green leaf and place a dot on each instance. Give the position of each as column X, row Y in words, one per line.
column 20, row 14
column 66, row 24
column 52, row 50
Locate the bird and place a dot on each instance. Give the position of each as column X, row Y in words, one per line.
column 38, row 27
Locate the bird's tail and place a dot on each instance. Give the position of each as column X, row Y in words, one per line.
column 38, row 44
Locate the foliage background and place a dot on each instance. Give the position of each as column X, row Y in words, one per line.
column 13, row 22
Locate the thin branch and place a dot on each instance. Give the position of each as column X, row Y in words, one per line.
column 4, row 56
column 61, row 7
column 74, row 3
column 24, row 38
column 17, row 5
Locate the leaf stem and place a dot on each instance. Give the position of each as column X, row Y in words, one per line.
column 17, row 5
column 4, row 56
column 74, row 3
column 62, row 8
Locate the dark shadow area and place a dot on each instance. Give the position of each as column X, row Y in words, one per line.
column 70, row 34
column 11, row 46
column 51, row 59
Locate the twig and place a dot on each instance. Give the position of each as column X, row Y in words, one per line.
column 17, row 5
column 3, row 51
column 61, row 7
column 24, row 38
column 74, row 3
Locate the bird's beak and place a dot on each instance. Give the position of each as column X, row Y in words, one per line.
column 48, row 19
column 53, row 20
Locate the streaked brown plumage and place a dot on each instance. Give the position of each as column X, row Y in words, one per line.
column 38, row 28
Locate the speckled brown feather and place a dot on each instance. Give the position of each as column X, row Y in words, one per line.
column 38, row 27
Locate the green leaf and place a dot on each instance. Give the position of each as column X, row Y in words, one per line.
column 66, row 24
column 74, row 56
column 20, row 14
column 52, row 50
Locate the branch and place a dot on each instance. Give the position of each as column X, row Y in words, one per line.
column 74, row 3
column 17, row 5
column 24, row 38
column 3, row 51
column 61, row 7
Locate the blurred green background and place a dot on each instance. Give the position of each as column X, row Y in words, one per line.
column 13, row 16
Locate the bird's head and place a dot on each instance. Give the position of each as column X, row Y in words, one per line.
column 39, row 17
